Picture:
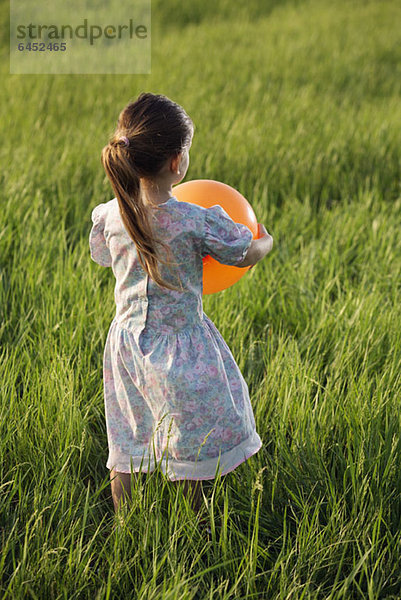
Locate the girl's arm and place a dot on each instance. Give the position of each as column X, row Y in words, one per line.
column 99, row 250
column 258, row 248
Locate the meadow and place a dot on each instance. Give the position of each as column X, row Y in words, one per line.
column 297, row 105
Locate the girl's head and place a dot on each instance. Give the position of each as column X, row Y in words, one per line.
column 159, row 134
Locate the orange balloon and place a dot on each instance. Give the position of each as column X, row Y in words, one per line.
column 207, row 193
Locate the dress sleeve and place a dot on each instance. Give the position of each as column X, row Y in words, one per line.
column 225, row 241
column 99, row 250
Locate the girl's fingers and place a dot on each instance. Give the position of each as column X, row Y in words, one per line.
column 262, row 230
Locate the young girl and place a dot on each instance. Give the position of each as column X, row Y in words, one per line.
column 173, row 392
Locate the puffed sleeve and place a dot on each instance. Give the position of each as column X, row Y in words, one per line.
column 225, row 241
column 98, row 248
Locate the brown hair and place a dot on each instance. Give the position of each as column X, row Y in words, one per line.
column 157, row 129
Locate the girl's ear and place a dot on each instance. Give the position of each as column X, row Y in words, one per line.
column 175, row 162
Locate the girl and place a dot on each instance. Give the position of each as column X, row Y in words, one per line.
column 173, row 392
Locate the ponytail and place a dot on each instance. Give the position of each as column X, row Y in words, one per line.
column 124, row 175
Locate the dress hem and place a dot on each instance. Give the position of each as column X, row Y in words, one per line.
column 179, row 470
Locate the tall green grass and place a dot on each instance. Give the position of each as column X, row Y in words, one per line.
column 297, row 105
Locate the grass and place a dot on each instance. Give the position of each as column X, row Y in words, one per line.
column 296, row 104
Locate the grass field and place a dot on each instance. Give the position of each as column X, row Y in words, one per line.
column 296, row 105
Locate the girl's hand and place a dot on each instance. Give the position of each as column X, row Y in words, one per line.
column 262, row 233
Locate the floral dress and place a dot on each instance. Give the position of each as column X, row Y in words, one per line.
column 173, row 393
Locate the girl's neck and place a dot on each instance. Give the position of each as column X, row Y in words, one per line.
column 156, row 194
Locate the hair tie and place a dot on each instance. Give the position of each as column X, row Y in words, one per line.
column 125, row 140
